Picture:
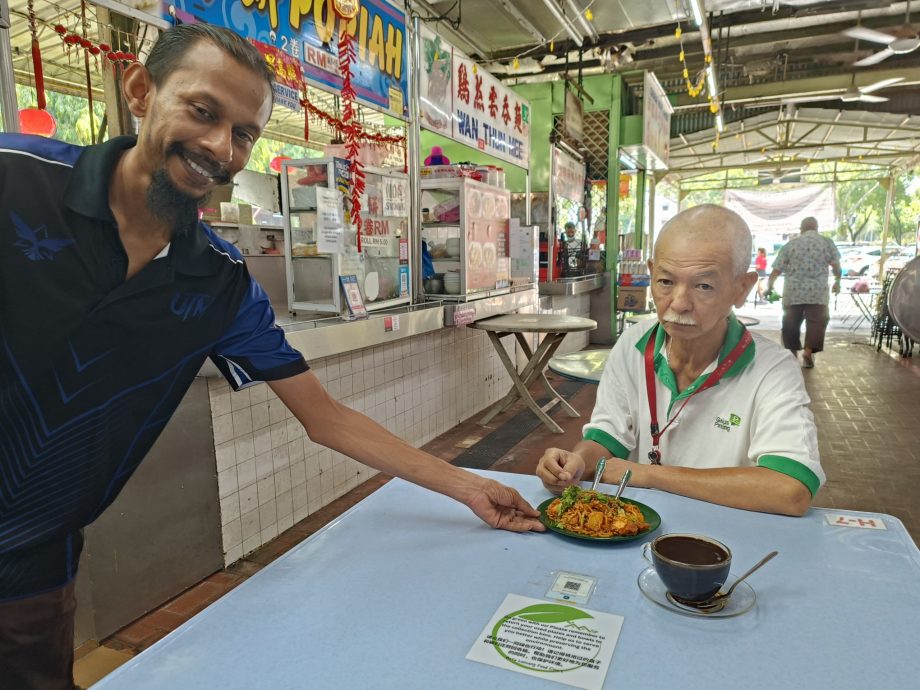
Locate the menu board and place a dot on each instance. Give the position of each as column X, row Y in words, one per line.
column 487, row 238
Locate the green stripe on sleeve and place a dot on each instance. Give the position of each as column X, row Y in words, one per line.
column 793, row 468
column 617, row 449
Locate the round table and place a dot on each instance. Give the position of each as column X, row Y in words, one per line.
column 555, row 327
column 587, row 365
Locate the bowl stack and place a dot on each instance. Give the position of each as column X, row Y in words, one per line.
column 452, row 283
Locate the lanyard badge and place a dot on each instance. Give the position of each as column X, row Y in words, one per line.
column 654, row 454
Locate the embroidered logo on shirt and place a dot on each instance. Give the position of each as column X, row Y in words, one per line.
column 190, row 305
column 727, row 424
column 36, row 244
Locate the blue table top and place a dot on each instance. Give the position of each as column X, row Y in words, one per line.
column 395, row 592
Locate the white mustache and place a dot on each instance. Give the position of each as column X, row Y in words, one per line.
column 671, row 316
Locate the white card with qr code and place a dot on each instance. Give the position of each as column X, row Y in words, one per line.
column 573, row 587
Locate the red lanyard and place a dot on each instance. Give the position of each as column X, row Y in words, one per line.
column 655, row 454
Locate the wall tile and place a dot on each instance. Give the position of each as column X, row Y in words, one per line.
column 226, row 455
column 246, row 473
column 249, row 501
column 230, row 510
column 250, row 522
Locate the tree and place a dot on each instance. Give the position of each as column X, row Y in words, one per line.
column 855, row 208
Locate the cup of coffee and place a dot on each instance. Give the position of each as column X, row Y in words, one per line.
column 692, row 567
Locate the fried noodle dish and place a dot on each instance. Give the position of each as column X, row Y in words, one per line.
column 595, row 514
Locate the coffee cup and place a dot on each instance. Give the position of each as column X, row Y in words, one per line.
column 692, row 567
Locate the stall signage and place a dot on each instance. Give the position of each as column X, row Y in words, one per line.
column 395, row 197
column 568, row 176
column 460, row 100
column 308, row 31
column 288, row 75
column 656, row 122
column 488, row 115
column 435, row 104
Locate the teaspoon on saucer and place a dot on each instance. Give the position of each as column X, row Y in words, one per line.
column 718, row 602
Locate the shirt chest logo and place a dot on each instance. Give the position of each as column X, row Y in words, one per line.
column 726, row 423
column 190, row 305
column 36, row 244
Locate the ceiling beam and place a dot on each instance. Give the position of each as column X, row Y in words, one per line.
column 803, row 22
column 816, row 86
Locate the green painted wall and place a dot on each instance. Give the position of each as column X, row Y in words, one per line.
column 545, row 100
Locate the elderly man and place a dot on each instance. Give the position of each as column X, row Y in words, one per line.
column 804, row 261
column 697, row 405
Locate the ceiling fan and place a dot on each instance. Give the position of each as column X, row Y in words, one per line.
column 905, row 42
column 851, row 94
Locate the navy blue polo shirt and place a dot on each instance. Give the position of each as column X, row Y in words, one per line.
column 92, row 366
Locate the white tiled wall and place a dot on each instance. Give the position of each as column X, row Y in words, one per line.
column 270, row 475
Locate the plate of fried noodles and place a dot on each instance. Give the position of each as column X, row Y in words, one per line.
column 591, row 515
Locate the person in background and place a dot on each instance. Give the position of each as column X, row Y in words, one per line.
column 696, row 404
column 803, row 261
column 107, row 239
column 570, row 235
column 760, row 265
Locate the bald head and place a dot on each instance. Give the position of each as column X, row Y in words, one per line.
column 713, row 224
column 810, row 223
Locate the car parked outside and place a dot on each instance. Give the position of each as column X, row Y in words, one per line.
column 866, row 261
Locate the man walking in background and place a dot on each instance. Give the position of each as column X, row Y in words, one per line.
column 804, row 261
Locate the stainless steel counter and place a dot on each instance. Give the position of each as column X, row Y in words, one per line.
column 573, row 286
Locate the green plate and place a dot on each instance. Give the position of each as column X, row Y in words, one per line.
column 651, row 517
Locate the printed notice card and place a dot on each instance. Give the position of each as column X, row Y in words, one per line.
column 330, row 222
column 557, row 642
column 353, row 295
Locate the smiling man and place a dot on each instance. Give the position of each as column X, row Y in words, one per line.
column 697, row 405
column 112, row 295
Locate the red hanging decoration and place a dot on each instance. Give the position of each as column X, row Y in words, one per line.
column 37, row 120
column 351, row 129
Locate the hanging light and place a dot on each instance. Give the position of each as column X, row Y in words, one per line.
column 37, row 121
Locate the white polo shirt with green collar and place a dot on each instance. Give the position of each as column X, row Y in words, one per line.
column 756, row 415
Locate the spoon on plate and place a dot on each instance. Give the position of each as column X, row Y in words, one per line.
column 624, row 480
column 598, row 471
column 720, row 600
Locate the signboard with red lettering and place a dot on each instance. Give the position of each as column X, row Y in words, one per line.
column 460, row 100
column 488, row 115
column 308, row 31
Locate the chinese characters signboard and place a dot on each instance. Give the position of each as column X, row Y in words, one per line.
column 308, row 31
column 462, row 101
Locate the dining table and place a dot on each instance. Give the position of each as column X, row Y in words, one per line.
column 396, row 591
column 552, row 330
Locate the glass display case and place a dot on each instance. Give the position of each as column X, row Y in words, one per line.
column 318, row 252
column 465, row 225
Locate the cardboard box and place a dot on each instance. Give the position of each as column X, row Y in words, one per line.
column 632, row 298
column 634, row 279
column 210, row 211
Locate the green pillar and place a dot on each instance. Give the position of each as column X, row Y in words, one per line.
column 613, row 196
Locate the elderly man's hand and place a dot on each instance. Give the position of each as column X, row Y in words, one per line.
column 559, row 468
column 836, row 288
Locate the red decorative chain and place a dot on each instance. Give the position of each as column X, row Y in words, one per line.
column 75, row 40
